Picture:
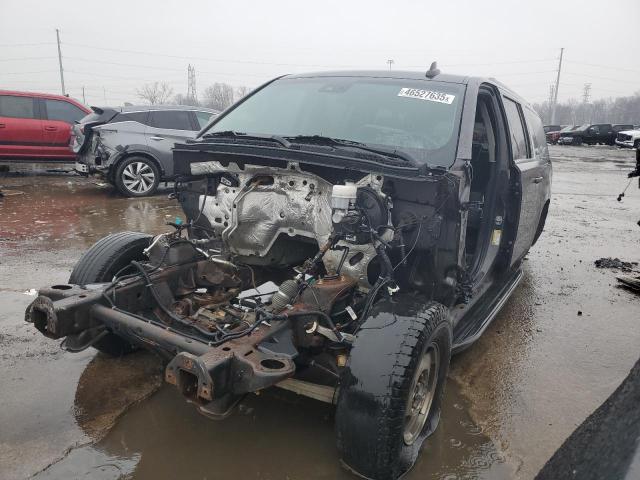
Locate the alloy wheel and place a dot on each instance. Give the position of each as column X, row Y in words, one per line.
column 138, row 177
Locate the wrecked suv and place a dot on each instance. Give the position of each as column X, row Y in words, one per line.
column 345, row 234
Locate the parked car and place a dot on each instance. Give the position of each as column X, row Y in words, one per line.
column 342, row 246
column 591, row 134
column 131, row 147
column 629, row 138
column 37, row 125
column 552, row 128
column 554, row 136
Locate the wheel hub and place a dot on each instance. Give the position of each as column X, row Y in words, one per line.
column 138, row 177
column 421, row 394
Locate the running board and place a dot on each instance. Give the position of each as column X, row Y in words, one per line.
column 481, row 316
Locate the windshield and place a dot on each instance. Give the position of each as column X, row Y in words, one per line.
column 420, row 118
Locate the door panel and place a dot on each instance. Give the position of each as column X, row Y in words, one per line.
column 58, row 116
column 531, row 171
column 20, row 129
column 165, row 129
column 56, row 135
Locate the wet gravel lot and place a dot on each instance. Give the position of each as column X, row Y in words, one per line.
column 561, row 345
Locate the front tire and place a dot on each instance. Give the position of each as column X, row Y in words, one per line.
column 391, row 390
column 99, row 264
column 137, row 177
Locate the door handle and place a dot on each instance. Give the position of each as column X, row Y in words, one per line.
column 50, row 128
column 538, row 179
column 156, row 138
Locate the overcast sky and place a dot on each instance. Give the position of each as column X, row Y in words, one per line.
column 113, row 47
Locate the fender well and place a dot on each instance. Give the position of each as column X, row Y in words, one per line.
column 129, row 154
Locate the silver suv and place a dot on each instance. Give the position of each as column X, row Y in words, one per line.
column 131, row 147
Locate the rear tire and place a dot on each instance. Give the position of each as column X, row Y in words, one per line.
column 577, row 141
column 99, row 264
column 392, row 386
column 137, row 177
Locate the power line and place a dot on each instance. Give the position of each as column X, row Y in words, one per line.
column 105, row 75
column 488, row 64
column 28, row 73
column 521, row 73
column 218, row 60
column 21, row 59
column 26, row 44
column 152, row 67
column 606, row 67
column 601, row 78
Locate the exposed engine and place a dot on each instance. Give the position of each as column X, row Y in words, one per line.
column 282, row 218
column 272, row 275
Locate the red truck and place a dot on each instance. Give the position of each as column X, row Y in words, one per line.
column 37, row 125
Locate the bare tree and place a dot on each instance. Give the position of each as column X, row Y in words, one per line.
column 155, row 93
column 241, row 92
column 606, row 110
column 218, row 96
column 182, row 99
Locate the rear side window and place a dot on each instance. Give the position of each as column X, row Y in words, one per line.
column 170, row 119
column 63, row 111
column 516, row 129
column 537, row 132
column 140, row 117
column 17, row 107
column 203, row 118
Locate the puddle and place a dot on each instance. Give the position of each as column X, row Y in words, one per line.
column 274, row 435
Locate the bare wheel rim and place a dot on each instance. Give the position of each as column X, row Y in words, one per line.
column 138, row 177
column 421, row 394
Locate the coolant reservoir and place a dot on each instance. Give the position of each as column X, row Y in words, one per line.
column 342, row 198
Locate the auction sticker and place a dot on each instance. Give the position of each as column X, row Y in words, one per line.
column 427, row 95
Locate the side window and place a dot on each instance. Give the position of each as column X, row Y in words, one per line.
column 63, row 111
column 203, row 118
column 17, row 107
column 519, row 142
column 170, row 119
column 537, row 132
column 140, row 117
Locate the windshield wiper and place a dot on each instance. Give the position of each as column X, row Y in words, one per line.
column 232, row 134
column 330, row 141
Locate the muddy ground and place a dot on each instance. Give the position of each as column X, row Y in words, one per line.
column 561, row 345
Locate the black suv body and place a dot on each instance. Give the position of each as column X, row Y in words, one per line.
column 593, row 134
column 345, row 234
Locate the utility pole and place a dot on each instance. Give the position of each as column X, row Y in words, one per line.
column 551, row 90
column 555, row 93
column 84, row 100
column 192, row 94
column 390, row 62
column 60, row 62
